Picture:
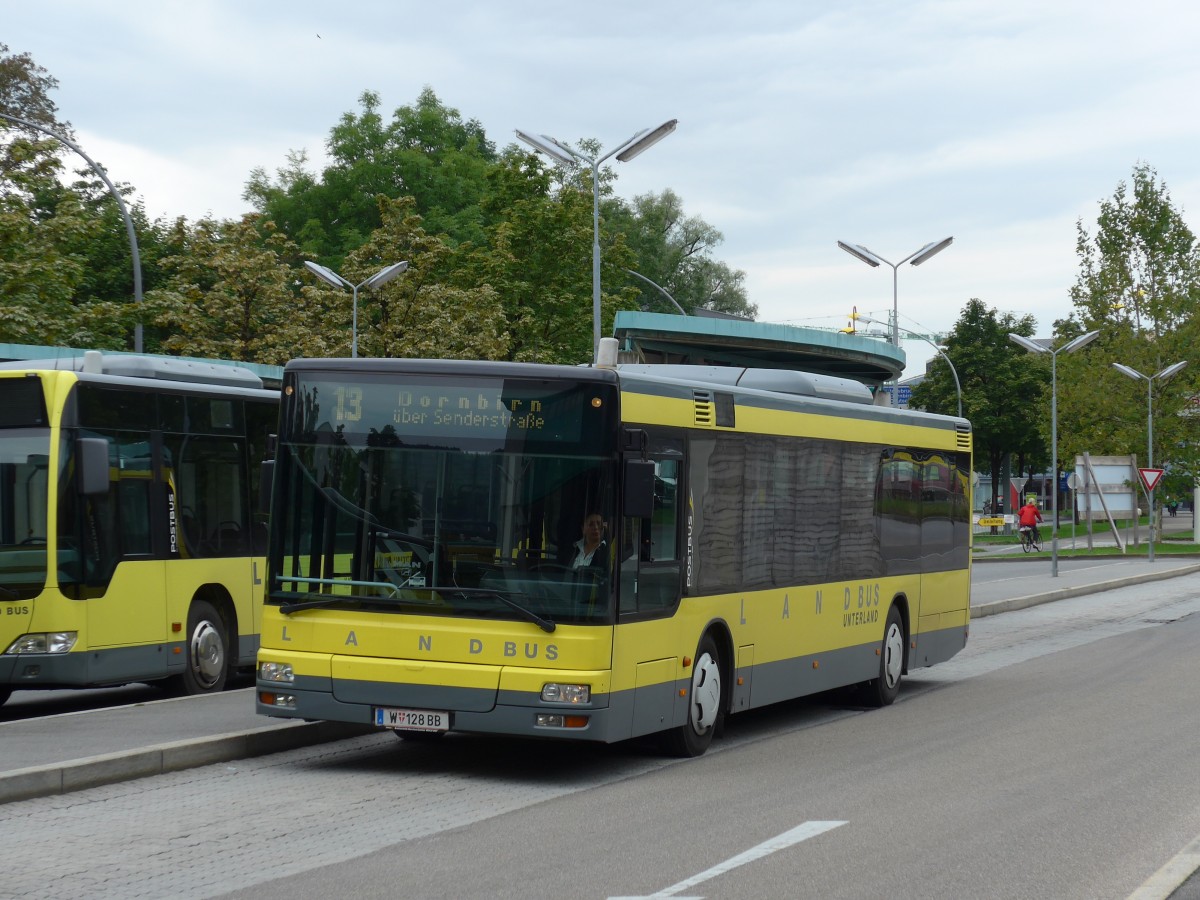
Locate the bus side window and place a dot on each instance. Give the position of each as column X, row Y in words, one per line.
column 649, row 562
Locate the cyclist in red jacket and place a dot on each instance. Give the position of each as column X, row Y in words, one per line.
column 1028, row 517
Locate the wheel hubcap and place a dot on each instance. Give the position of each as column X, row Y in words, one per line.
column 893, row 655
column 208, row 657
column 706, row 693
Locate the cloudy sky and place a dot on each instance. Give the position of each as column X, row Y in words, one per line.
column 888, row 124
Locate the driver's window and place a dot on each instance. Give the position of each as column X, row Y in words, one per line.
column 650, row 566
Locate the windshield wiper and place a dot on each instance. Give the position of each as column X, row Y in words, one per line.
column 288, row 608
column 545, row 624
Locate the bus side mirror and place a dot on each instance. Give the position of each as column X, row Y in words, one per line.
column 266, row 477
column 91, row 455
column 639, row 489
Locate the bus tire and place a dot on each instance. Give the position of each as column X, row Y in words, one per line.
column 705, row 704
column 207, row 650
column 882, row 691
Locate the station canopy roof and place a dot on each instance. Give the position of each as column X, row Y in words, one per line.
column 717, row 340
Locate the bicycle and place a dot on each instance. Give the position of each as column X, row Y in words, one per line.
column 1030, row 539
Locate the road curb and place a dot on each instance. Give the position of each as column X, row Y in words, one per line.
column 111, row 768
column 1015, row 603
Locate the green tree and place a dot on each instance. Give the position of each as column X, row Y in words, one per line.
column 421, row 313
column 427, row 152
column 537, row 257
column 233, row 292
column 675, row 251
column 1004, row 389
column 39, row 275
column 1139, row 285
column 25, row 89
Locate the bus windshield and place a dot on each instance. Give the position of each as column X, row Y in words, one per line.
column 24, row 484
column 448, row 498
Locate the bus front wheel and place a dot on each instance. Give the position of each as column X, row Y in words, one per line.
column 705, row 703
column 882, row 691
column 207, row 650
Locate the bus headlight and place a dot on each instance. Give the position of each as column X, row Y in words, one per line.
column 44, row 642
column 566, row 693
column 279, row 672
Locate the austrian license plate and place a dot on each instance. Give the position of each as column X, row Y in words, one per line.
column 412, row 719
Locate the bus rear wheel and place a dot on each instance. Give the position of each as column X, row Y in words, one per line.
column 207, row 651
column 882, row 691
column 706, row 704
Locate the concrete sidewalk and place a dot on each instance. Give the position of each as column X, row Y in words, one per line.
column 1003, row 584
column 57, row 754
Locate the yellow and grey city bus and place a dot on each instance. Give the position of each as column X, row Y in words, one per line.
column 768, row 534
column 131, row 546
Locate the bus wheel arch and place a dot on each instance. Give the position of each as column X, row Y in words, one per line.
column 211, row 632
column 707, row 697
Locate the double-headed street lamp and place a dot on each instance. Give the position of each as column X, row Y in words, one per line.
column 380, row 278
column 941, row 352
column 1070, row 347
column 1149, row 379
column 858, row 251
column 560, row 152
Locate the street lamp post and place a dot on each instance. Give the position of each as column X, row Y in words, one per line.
column 941, row 352
column 379, row 279
column 133, row 244
column 1070, row 347
column 858, row 251
column 1149, row 379
column 561, row 153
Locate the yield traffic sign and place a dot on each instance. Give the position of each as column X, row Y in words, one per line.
column 1150, row 478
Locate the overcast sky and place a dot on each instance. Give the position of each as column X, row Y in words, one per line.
column 887, row 124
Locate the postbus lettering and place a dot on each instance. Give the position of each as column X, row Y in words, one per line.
column 476, row 647
column 351, row 640
column 425, row 642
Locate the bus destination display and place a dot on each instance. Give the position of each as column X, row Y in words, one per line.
column 496, row 410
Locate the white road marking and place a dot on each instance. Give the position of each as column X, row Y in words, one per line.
column 766, row 848
column 1162, row 884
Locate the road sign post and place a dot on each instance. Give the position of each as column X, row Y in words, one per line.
column 1150, row 479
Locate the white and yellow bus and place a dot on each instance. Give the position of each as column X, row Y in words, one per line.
column 131, row 548
column 769, row 534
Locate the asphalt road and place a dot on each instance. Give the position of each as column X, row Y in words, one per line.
column 1052, row 758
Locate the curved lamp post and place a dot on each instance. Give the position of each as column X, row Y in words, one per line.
column 133, row 245
column 941, row 352
column 380, row 278
column 561, row 153
column 858, row 251
column 662, row 290
column 1149, row 379
column 1070, row 347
